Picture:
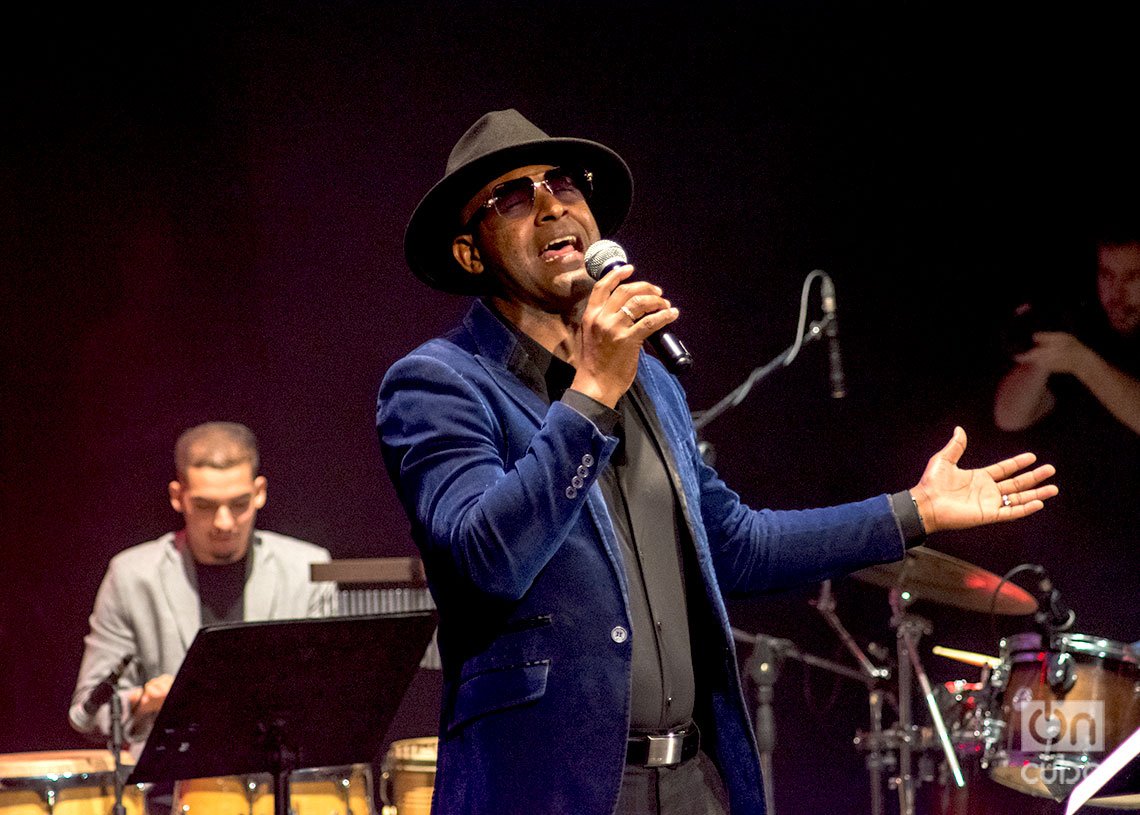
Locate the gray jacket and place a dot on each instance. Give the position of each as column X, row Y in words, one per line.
column 148, row 606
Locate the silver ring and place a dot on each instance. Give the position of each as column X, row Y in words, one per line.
column 1006, row 501
column 625, row 310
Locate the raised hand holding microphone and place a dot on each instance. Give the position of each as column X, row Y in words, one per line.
column 618, row 317
column 605, row 255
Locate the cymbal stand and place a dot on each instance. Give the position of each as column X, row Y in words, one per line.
column 908, row 628
column 825, row 605
column 871, row 675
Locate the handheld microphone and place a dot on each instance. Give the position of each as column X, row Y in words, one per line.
column 604, row 255
column 831, row 329
column 101, row 693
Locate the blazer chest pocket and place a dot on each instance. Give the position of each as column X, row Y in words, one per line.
column 498, row 689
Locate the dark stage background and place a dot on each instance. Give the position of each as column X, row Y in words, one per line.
column 203, row 214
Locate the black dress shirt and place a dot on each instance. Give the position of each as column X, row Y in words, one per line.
column 651, row 532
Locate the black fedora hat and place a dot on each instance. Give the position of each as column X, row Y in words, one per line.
column 499, row 142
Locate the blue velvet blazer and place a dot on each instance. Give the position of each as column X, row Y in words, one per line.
column 522, row 560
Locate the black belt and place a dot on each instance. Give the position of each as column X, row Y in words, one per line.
column 664, row 750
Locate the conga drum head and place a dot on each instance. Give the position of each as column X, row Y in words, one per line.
column 61, row 764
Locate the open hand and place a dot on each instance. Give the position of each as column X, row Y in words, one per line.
column 949, row 497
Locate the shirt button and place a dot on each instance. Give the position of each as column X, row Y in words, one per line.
column 588, row 460
column 571, row 493
column 619, row 634
column 583, row 471
column 577, row 482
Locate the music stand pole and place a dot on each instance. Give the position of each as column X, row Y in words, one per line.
column 284, row 762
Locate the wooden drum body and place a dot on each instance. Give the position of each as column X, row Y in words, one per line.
column 318, row 791
column 70, row 782
column 408, row 776
column 1063, row 708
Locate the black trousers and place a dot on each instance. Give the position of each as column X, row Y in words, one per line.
column 693, row 787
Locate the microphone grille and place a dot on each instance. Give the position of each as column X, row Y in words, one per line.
column 601, row 255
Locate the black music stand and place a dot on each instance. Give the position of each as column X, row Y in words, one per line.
column 274, row 697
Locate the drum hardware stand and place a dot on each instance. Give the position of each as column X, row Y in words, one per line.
column 908, row 628
column 878, row 759
column 992, row 724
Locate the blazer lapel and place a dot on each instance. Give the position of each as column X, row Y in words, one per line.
column 500, row 354
column 180, row 587
column 262, row 586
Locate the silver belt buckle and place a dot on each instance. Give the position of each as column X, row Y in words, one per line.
column 664, row 750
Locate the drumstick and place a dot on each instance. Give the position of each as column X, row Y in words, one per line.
column 969, row 657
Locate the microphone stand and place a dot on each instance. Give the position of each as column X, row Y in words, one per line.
column 763, row 667
column 116, row 746
column 813, row 332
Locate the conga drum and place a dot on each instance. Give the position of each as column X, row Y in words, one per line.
column 222, row 795
column 343, row 790
column 331, row 791
column 68, row 782
column 408, row 776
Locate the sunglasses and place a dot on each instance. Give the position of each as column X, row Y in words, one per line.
column 515, row 198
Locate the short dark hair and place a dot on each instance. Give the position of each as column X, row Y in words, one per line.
column 216, row 444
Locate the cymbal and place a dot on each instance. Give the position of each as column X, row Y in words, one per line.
column 929, row 575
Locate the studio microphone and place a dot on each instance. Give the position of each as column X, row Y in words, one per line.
column 601, row 257
column 1052, row 612
column 101, row 693
column 831, row 329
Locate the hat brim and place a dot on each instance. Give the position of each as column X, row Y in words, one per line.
column 435, row 222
